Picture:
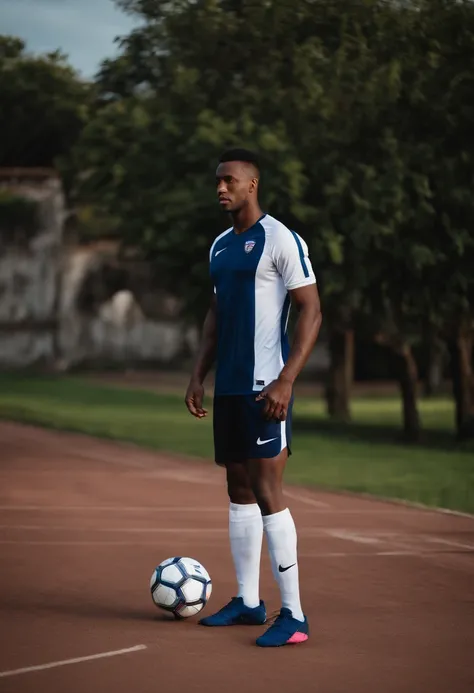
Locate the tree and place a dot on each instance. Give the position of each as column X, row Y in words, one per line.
column 44, row 106
column 179, row 114
column 363, row 113
column 395, row 209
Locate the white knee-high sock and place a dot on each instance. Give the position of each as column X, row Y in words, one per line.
column 280, row 531
column 246, row 535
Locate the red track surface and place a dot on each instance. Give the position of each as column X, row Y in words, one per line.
column 388, row 590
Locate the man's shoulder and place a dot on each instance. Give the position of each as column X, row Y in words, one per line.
column 276, row 231
column 273, row 225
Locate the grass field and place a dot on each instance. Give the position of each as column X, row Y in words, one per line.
column 365, row 456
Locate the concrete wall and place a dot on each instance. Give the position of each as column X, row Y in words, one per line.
column 116, row 330
column 29, row 272
column 41, row 321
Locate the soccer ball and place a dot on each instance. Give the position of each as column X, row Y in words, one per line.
column 181, row 586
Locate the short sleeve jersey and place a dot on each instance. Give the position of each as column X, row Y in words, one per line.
column 253, row 273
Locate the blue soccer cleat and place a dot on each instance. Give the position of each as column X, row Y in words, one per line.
column 286, row 630
column 235, row 613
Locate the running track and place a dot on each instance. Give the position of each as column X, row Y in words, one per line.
column 388, row 589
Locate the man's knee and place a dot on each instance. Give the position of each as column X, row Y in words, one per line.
column 266, row 476
column 268, row 494
column 239, row 487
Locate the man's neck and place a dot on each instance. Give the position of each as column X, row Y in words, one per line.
column 245, row 218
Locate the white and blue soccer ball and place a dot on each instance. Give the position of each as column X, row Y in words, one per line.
column 181, row 586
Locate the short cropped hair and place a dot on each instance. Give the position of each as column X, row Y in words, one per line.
column 241, row 154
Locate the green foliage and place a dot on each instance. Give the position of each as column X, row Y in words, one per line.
column 91, row 222
column 18, row 217
column 44, row 106
column 361, row 113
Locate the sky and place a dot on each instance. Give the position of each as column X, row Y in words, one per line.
column 83, row 29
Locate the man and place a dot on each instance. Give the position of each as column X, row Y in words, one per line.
column 258, row 268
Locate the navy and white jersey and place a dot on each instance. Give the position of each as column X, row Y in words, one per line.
column 252, row 273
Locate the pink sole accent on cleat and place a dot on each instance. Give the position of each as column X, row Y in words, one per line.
column 297, row 638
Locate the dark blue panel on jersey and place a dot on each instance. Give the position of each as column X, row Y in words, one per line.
column 300, row 250
column 285, row 344
column 234, row 263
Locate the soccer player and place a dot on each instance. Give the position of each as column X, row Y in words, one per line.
column 258, row 268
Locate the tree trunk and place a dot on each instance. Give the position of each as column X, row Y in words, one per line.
column 408, row 380
column 341, row 374
column 463, row 386
column 434, row 372
column 407, row 375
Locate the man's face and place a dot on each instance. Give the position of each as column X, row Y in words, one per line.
column 236, row 182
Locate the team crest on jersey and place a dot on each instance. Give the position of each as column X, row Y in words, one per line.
column 249, row 246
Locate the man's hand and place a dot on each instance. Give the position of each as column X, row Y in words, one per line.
column 277, row 396
column 194, row 398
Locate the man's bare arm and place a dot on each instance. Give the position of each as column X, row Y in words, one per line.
column 203, row 363
column 307, row 302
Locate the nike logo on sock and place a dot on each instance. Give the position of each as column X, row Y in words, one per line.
column 283, row 570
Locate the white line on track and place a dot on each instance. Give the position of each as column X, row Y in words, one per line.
column 313, row 506
column 365, row 554
column 301, row 498
column 449, row 542
column 422, row 553
column 398, row 540
column 316, row 507
column 112, row 508
column 336, row 532
column 76, row 660
column 41, row 542
column 119, row 530
column 352, row 536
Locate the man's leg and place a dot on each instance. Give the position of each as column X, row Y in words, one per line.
column 245, row 521
column 266, row 467
column 266, row 478
column 245, row 533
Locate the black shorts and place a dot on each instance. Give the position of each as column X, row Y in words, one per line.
column 242, row 433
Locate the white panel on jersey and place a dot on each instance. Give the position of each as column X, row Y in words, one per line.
column 291, row 258
column 270, row 296
column 279, row 270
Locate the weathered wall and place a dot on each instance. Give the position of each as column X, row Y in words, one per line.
column 29, row 272
column 44, row 318
column 114, row 328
